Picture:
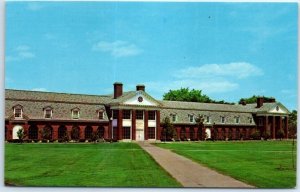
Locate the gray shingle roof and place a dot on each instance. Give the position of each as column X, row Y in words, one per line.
column 206, row 106
column 56, row 97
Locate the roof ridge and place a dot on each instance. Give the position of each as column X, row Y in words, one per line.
column 51, row 92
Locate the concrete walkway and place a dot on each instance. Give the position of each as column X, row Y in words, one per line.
column 189, row 173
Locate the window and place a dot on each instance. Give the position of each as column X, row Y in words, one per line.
column 126, row 132
column 151, row 132
column 48, row 113
column 75, row 114
column 222, row 119
column 237, row 120
column 151, row 115
column 18, row 112
column 174, row 117
column 139, row 114
column 115, row 114
column 191, row 118
column 250, row 119
column 100, row 115
column 260, row 122
column 126, row 114
column 207, row 119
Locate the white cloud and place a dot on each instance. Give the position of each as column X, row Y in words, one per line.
column 235, row 69
column 39, row 89
column 117, row 48
column 21, row 52
column 34, row 6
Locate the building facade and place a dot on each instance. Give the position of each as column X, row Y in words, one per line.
column 134, row 115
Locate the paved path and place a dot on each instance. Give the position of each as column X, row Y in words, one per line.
column 189, row 173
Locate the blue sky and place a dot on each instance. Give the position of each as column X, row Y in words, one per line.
column 227, row 50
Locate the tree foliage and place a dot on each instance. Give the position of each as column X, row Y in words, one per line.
column 253, row 99
column 184, row 94
column 168, row 131
column 46, row 133
column 292, row 126
column 21, row 135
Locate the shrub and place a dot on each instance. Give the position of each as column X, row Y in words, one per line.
column 280, row 134
column 255, row 135
column 266, row 135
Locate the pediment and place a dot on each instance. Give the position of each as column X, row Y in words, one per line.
column 141, row 98
column 279, row 109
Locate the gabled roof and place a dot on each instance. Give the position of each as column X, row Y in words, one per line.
column 266, row 107
column 128, row 95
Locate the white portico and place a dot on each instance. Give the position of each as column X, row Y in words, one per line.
column 135, row 116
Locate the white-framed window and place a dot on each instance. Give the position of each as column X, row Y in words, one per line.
column 174, row 117
column 191, row 118
column 222, row 119
column 100, row 114
column 18, row 111
column 126, row 114
column 139, row 114
column 151, row 115
column 75, row 113
column 237, row 120
column 48, row 113
column 207, row 119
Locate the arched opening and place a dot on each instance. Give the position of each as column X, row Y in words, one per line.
column 100, row 132
column 88, row 132
column 33, row 132
column 192, row 134
column 182, row 134
column 223, row 133
column 207, row 133
column 75, row 132
column 62, row 132
column 15, row 131
column 47, row 132
column 230, row 133
column 200, row 133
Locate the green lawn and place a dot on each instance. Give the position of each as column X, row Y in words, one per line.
column 264, row 164
column 106, row 164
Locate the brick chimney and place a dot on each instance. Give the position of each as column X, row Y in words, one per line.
column 272, row 100
column 243, row 102
column 259, row 102
column 118, row 89
column 140, row 87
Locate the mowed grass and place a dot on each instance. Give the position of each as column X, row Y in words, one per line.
column 264, row 164
column 105, row 165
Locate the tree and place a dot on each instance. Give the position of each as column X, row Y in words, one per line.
column 168, row 129
column 75, row 132
column 200, row 124
column 21, row 135
column 280, row 134
column 292, row 126
column 46, row 133
column 184, row 94
column 253, row 99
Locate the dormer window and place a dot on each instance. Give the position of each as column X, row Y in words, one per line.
column 222, row 119
column 207, row 119
column 18, row 112
column 48, row 113
column 250, row 119
column 75, row 113
column 100, row 115
column 174, row 117
column 237, row 120
column 191, row 118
